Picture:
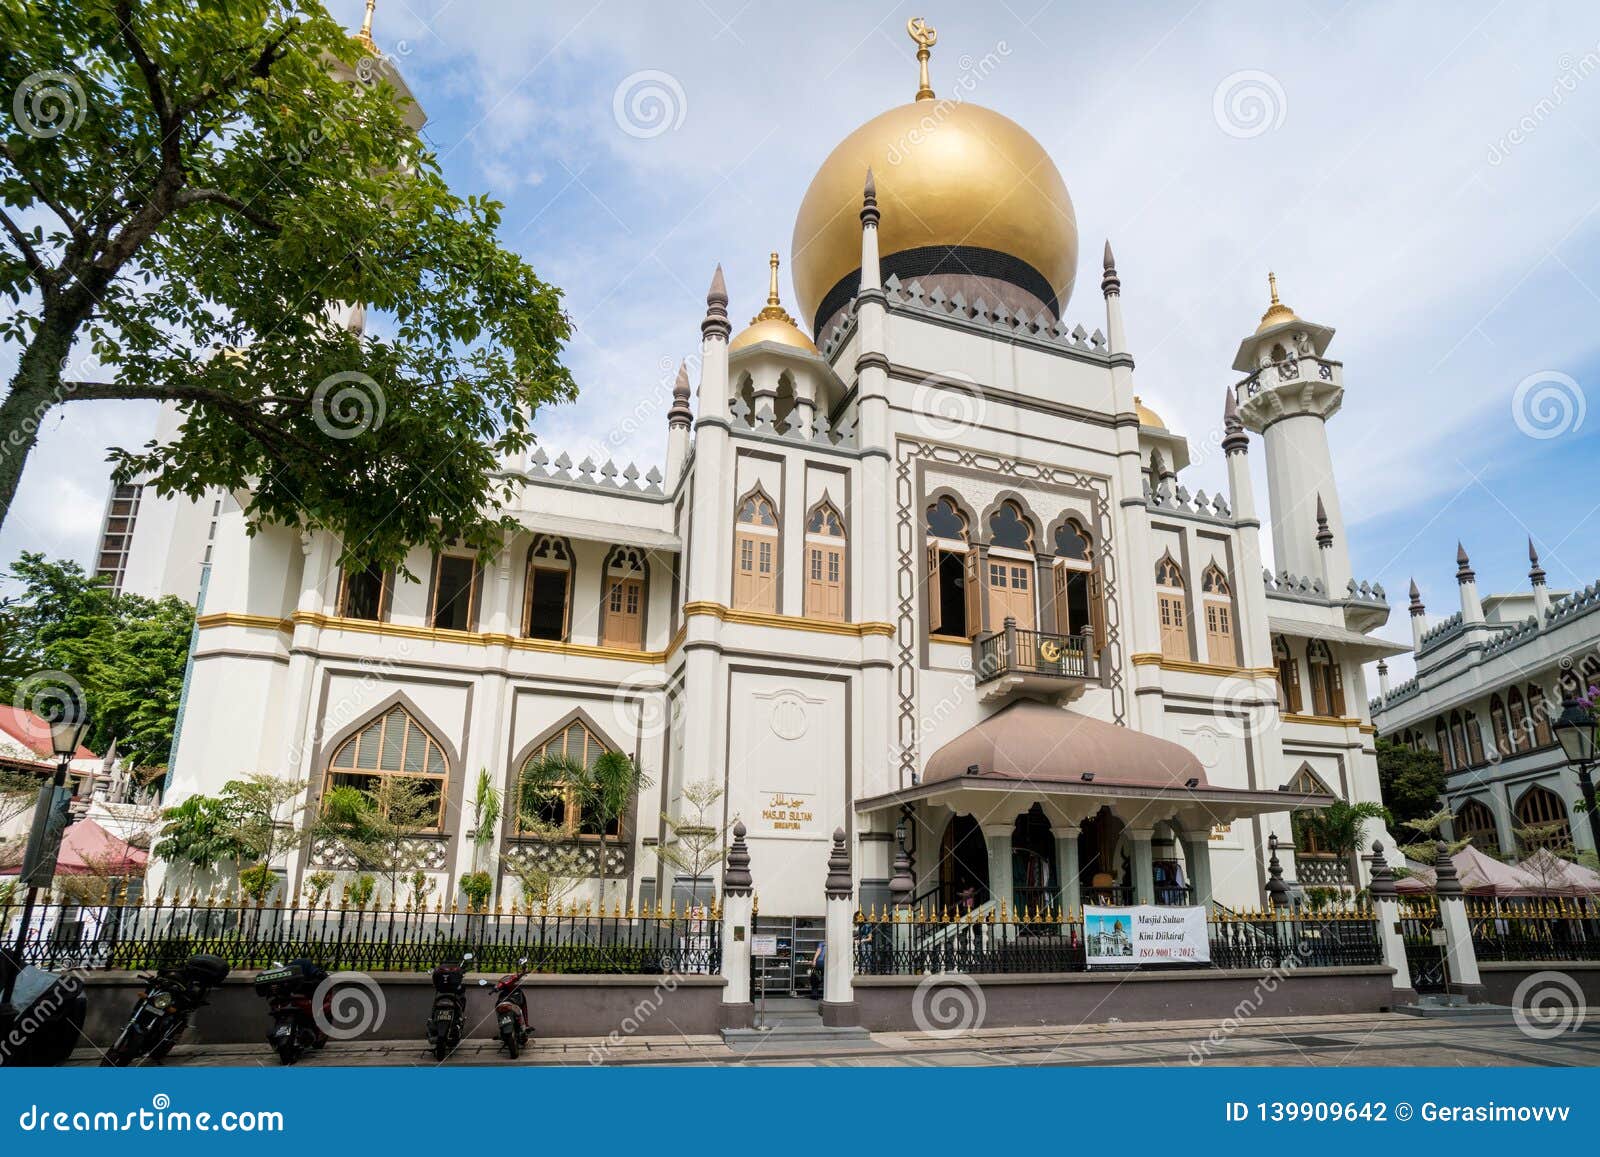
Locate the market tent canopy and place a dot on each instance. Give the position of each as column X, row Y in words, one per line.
column 87, row 849
column 1561, row 877
column 1481, row 875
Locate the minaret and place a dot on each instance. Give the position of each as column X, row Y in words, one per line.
column 365, row 35
column 872, row 359
column 1254, row 630
column 714, row 331
column 1471, row 605
column 1419, row 617
column 1383, row 680
column 1291, row 392
column 1111, row 287
column 1541, row 592
column 679, row 417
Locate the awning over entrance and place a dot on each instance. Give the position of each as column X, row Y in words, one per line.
column 1073, row 765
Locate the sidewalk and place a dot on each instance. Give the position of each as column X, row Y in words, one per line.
column 1320, row 1041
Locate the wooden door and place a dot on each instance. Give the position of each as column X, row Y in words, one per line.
column 1174, row 626
column 825, row 581
column 755, row 586
column 624, row 614
column 1219, row 633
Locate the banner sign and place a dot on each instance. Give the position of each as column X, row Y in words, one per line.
column 1146, row 934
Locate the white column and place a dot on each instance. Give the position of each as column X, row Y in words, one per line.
column 1197, row 851
column 1460, row 957
column 738, row 921
column 839, row 966
column 997, row 838
column 1387, row 906
column 1067, row 865
column 1144, row 882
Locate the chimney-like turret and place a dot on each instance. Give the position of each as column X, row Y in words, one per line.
column 1471, row 604
column 1541, row 592
column 1419, row 617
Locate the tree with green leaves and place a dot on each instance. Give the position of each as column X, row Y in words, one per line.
column 1423, row 845
column 376, row 826
column 189, row 195
column 1340, row 826
column 199, row 834
column 1412, row 781
column 125, row 653
column 249, row 824
column 604, row 790
column 696, row 840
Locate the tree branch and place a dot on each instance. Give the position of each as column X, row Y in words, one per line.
column 39, row 191
column 166, row 117
column 42, row 273
column 218, row 197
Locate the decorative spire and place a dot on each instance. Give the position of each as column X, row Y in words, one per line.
column 1235, row 440
column 679, row 414
column 1383, row 666
column 365, row 35
column 902, row 883
column 1416, row 601
column 1447, row 884
column 1277, row 888
column 926, row 37
column 869, row 200
column 1324, row 533
column 837, row 886
column 716, row 322
column 1382, row 886
column 773, row 310
column 1536, row 575
column 1110, row 283
column 1277, row 312
column 1463, row 566
column 736, row 879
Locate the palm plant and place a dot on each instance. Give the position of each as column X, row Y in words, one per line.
column 486, row 808
column 1339, row 826
column 602, row 791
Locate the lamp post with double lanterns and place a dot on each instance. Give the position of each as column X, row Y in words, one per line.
column 1576, row 731
column 50, row 819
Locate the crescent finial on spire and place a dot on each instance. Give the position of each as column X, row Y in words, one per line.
column 926, row 37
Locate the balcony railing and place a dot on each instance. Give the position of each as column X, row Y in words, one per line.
column 1015, row 652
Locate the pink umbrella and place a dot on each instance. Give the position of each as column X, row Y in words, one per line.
column 1561, row 877
column 1480, row 875
column 87, row 849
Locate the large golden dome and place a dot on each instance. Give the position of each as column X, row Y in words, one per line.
column 960, row 188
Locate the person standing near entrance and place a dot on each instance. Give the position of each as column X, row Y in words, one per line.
column 819, row 961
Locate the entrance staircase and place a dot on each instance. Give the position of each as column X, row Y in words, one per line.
column 790, row 1020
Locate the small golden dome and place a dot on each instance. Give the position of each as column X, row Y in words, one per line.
column 1277, row 313
column 949, row 175
column 773, row 323
column 1147, row 416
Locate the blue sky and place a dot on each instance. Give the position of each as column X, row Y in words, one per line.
column 1421, row 178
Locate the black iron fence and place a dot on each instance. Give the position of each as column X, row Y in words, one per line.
column 569, row 939
column 1534, row 929
column 910, row 943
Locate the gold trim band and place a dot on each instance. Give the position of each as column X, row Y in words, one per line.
column 785, row 622
column 1150, row 659
column 1323, row 720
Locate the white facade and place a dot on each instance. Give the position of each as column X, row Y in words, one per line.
column 816, row 696
column 1490, row 681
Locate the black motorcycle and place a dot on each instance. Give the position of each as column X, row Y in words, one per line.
column 290, row 990
column 169, row 999
column 447, row 1019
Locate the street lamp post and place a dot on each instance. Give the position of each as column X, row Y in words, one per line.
column 1576, row 731
column 66, row 733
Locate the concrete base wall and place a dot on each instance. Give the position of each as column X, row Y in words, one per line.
column 913, row 1003
column 558, row 1006
column 1500, row 981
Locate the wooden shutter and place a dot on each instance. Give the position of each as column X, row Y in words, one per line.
column 1097, row 608
column 974, row 593
column 931, row 590
column 1174, row 635
column 1064, row 625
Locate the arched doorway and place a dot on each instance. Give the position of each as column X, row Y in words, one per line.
column 963, row 864
column 1035, row 878
column 1105, row 872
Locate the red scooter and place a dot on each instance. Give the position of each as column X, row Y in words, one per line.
column 511, row 1009
column 290, row 989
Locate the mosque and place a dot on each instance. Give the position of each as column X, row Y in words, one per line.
column 919, row 564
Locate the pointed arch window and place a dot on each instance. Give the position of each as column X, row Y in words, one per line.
column 1475, row 754
column 1327, row 680
column 547, row 591
column 1520, row 739
column 1307, row 842
column 394, row 745
column 559, row 809
column 622, row 599
column 1172, row 609
column 952, row 579
column 1079, row 584
column 1540, row 709
column 1441, row 735
column 1475, row 822
column 1010, row 576
column 1288, row 676
column 1542, row 821
column 1217, row 602
column 1497, row 724
column 825, row 563
column 755, row 554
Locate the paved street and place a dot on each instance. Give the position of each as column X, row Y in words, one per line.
column 1330, row 1041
